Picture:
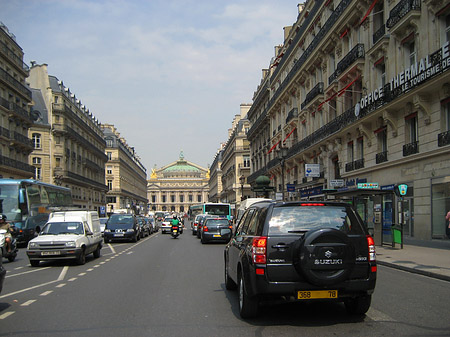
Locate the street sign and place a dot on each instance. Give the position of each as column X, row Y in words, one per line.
column 290, row 187
column 402, row 189
column 312, row 170
column 336, row 183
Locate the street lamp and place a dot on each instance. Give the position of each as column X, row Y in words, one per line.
column 242, row 181
column 282, row 155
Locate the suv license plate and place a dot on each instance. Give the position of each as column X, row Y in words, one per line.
column 315, row 294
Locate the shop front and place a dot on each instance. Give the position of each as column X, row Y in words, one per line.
column 440, row 201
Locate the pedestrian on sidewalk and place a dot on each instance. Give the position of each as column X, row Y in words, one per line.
column 447, row 224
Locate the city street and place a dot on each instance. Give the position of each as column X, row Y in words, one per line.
column 165, row 287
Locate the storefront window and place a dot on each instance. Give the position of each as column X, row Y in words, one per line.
column 440, row 205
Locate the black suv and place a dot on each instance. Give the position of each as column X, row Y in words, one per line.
column 301, row 251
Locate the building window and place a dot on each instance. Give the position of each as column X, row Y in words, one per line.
column 246, row 161
column 181, row 198
column 411, row 123
column 191, row 198
column 153, row 198
column 350, row 153
column 109, row 170
column 109, row 143
column 163, row 198
column 36, row 138
column 199, row 198
column 172, row 198
column 58, row 162
column 110, row 184
column 360, row 148
column 410, row 51
column 37, row 161
column 109, row 155
column 37, row 173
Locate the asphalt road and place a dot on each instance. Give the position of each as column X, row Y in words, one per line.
column 165, row 287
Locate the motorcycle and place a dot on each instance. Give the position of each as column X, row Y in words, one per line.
column 175, row 231
column 11, row 256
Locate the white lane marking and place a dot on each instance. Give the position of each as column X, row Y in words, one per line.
column 379, row 316
column 6, row 314
column 63, row 273
column 27, row 303
column 81, row 274
column 45, row 293
column 129, row 253
column 61, row 285
column 28, row 272
column 90, row 269
column 72, row 279
column 18, row 268
column 96, row 266
column 27, row 289
column 103, row 262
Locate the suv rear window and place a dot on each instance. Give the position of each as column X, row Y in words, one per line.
column 210, row 222
column 298, row 219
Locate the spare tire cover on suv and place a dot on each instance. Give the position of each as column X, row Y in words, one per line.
column 324, row 256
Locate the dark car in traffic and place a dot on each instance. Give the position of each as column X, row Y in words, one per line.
column 301, row 251
column 145, row 228
column 216, row 229
column 201, row 220
column 25, row 231
column 122, row 227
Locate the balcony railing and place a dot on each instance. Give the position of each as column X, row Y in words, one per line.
column 291, row 115
column 356, row 53
column 400, row 10
column 317, row 90
column 16, row 164
column 359, row 164
column 411, row 148
column 9, row 53
column 4, row 132
column 15, row 83
column 379, row 34
column 444, row 138
column 350, row 166
column 381, row 157
column 23, row 140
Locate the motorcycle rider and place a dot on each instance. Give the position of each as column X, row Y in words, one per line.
column 176, row 222
column 8, row 236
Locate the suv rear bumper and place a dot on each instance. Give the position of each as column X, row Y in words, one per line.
column 258, row 285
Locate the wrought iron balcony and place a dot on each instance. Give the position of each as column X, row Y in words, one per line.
column 401, row 10
column 359, row 164
column 411, row 148
column 379, row 34
column 444, row 138
column 381, row 157
column 356, row 53
column 23, row 140
column 4, row 132
column 317, row 90
column 350, row 166
column 16, row 59
column 16, row 164
column 291, row 115
column 15, row 83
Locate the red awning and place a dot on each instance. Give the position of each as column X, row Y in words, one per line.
column 290, row 133
column 273, row 147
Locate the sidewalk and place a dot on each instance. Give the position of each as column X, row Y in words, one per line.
column 429, row 258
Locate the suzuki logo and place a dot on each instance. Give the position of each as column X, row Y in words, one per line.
column 328, row 254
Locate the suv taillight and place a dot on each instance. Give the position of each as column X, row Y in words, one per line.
column 259, row 249
column 371, row 246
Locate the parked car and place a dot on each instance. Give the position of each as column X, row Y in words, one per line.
column 145, row 228
column 103, row 222
column 194, row 224
column 302, row 252
column 216, row 229
column 166, row 225
column 26, row 230
column 152, row 224
column 122, row 227
column 200, row 223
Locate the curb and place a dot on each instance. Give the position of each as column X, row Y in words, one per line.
column 415, row 271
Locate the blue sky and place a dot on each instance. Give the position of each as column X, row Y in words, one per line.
column 169, row 74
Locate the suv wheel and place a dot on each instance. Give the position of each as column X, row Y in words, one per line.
column 82, row 258
column 248, row 306
column 325, row 257
column 358, row 305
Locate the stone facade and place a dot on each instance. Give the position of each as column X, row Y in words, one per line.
column 126, row 177
column 15, row 118
column 361, row 94
column 235, row 164
column 175, row 187
column 69, row 148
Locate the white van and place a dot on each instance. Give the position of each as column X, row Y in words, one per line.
column 67, row 235
column 246, row 204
